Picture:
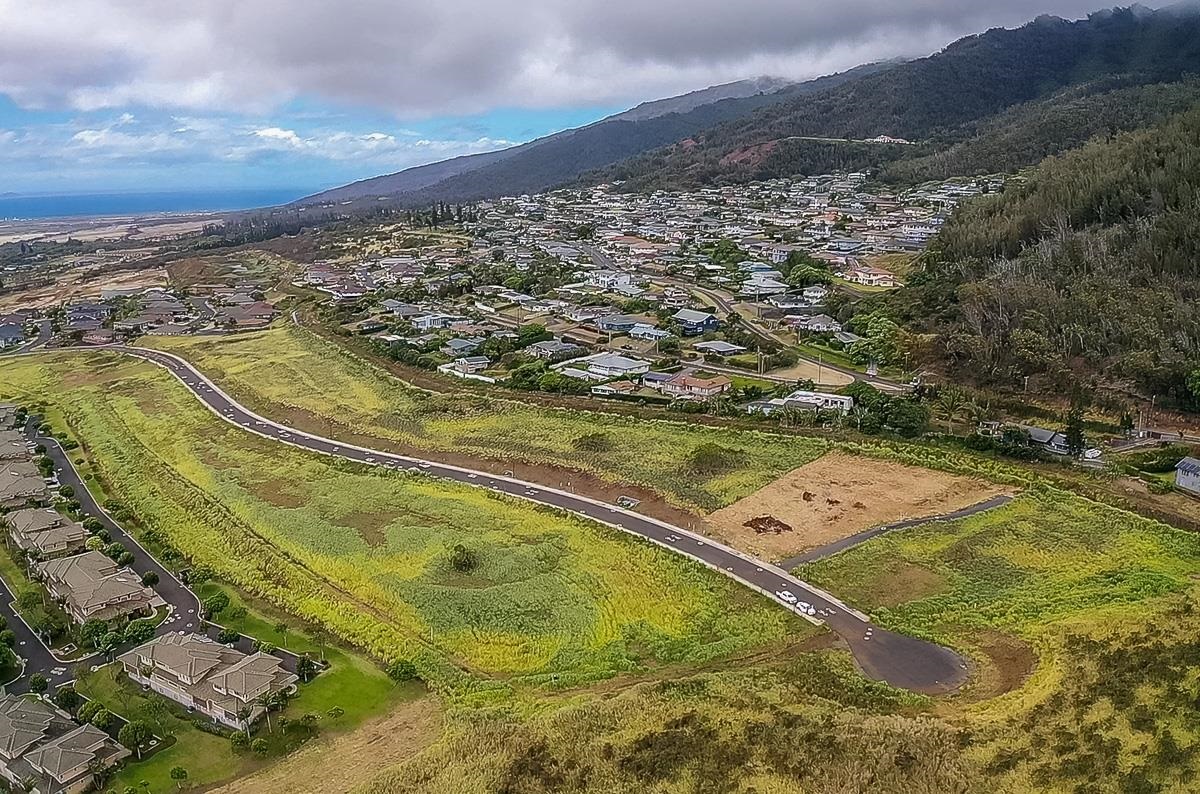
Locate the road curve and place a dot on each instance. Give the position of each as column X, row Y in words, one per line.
column 899, row 660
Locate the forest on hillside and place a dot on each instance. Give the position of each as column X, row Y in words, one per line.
column 1091, row 266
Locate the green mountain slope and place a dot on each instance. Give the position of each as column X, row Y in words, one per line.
column 937, row 101
column 1091, row 267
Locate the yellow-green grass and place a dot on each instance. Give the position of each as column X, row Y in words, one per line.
column 365, row 552
column 292, row 374
column 293, row 368
column 1103, row 597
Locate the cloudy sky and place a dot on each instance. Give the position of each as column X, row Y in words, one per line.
column 214, row 94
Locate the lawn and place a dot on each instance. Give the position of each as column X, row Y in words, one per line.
column 366, row 553
column 207, row 758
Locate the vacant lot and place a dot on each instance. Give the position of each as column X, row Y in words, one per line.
column 294, row 376
column 837, row 496
column 368, row 553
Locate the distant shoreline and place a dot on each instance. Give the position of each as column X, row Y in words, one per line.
column 123, row 205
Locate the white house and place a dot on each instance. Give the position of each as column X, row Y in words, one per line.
column 803, row 401
column 1187, row 475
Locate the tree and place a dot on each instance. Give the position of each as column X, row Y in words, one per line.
column 216, row 603
column 306, row 668
column 149, row 579
column 243, row 716
column 178, row 774
column 38, row 683
column 462, row 559
column 950, row 403
column 1076, row 441
column 102, row 719
column 908, row 418
column 267, row 701
column 260, row 746
column 281, row 630
column 66, row 698
column 91, row 631
column 133, row 735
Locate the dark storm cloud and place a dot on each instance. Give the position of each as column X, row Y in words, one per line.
column 412, row 59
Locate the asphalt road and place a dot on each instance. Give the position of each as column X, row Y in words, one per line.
column 185, row 610
column 883, row 655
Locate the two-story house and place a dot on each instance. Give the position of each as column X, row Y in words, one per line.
column 211, row 678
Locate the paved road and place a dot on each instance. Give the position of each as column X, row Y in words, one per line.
column 830, row 549
column 185, row 607
column 42, row 337
column 902, row 661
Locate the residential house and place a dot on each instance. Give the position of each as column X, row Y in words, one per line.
column 461, row 347
column 871, row 277
column 214, row 679
column 42, row 750
column 553, row 350
column 91, row 586
column 20, row 484
column 1187, row 475
column 472, row 364
column 687, row 386
column 648, row 332
column 802, row 400
column 44, row 533
column 617, row 323
column 602, row 366
column 11, row 335
column 693, row 322
column 1050, row 440
column 817, row 323
column 719, row 347
column 615, row 387
column 12, row 445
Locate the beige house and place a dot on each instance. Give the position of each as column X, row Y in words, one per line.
column 211, row 678
column 42, row 745
column 91, row 586
column 20, row 484
column 12, row 446
column 44, row 533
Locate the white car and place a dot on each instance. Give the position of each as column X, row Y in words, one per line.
column 786, row 596
column 805, row 607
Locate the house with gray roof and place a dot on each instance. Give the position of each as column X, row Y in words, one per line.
column 21, row 484
column 91, row 586
column 12, row 446
column 204, row 675
column 44, row 533
column 1187, row 475
column 42, row 747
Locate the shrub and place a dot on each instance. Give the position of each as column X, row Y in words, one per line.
column 402, row 670
column 149, row 579
column 710, row 458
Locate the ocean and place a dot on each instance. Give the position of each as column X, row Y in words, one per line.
column 85, row 204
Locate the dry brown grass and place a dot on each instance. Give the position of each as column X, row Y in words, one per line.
column 838, row 495
column 345, row 762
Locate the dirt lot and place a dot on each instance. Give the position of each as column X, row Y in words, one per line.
column 77, row 284
column 835, row 497
column 348, row 761
column 807, row 370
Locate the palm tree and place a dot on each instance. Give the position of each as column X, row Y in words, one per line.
column 266, row 700
column 858, row 413
column 243, row 716
column 949, row 404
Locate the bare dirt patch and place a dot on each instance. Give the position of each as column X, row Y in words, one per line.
column 345, row 762
column 902, row 583
column 1003, row 663
column 811, row 370
column 78, row 283
column 370, row 525
column 278, row 492
column 837, row 496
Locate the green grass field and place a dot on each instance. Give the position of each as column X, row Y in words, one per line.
column 292, row 375
column 365, row 553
